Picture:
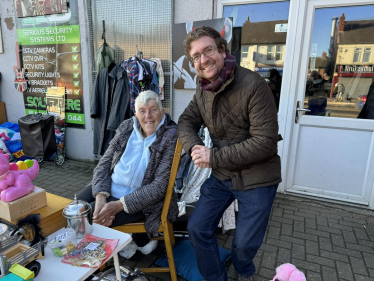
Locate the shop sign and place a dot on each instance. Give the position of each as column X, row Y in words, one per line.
column 281, row 27
column 357, row 69
column 51, row 54
column 268, row 68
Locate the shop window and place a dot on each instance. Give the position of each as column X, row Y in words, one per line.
column 367, row 55
column 340, row 71
column 357, row 55
column 263, row 33
column 270, row 53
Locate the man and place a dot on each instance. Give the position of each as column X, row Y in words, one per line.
column 238, row 108
column 341, row 90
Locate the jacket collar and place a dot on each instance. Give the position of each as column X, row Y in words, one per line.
column 116, row 72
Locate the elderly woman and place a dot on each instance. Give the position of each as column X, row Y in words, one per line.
column 131, row 179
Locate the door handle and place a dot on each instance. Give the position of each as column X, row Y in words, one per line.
column 298, row 110
column 303, row 109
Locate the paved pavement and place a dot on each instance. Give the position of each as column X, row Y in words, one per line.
column 326, row 241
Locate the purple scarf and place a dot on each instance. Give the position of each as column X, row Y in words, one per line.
column 228, row 67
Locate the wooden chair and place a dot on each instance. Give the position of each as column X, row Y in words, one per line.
column 165, row 227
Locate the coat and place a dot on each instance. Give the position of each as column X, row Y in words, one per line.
column 242, row 121
column 150, row 197
column 110, row 105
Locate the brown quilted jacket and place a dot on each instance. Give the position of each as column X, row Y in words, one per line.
column 242, row 121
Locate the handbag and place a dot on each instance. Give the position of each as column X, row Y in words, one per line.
column 37, row 135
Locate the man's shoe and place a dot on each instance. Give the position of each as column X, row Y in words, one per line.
column 243, row 278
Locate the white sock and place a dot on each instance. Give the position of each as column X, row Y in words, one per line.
column 148, row 248
column 129, row 250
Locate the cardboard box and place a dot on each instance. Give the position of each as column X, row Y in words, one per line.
column 11, row 211
column 51, row 218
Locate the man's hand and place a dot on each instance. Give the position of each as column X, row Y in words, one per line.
column 107, row 213
column 200, row 156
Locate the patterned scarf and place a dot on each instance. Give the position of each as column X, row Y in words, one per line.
column 228, row 67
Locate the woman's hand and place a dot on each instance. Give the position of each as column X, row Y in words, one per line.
column 107, row 213
column 99, row 204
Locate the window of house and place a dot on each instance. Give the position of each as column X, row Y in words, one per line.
column 367, row 55
column 357, row 55
column 279, row 54
column 245, row 50
column 270, row 52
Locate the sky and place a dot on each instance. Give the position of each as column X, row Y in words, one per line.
column 279, row 11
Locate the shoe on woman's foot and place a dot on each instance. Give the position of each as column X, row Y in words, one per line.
column 148, row 248
column 129, row 250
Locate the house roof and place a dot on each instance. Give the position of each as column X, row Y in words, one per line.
column 357, row 32
column 262, row 33
column 320, row 62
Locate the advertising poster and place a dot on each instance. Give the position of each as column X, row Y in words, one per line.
column 184, row 73
column 32, row 8
column 51, row 55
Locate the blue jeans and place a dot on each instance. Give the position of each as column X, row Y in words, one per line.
column 253, row 216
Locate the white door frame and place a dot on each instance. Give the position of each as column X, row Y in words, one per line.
column 300, row 24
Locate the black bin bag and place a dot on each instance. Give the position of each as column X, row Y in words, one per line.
column 37, row 135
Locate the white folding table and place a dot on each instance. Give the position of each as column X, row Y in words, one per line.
column 53, row 269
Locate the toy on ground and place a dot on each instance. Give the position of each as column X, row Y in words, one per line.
column 15, row 178
column 288, row 272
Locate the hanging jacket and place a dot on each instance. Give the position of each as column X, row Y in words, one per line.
column 104, row 57
column 110, row 105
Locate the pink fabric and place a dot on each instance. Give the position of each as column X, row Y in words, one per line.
column 3, row 136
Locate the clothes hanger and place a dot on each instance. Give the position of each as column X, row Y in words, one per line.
column 103, row 37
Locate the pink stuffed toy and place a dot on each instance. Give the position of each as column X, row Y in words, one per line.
column 289, row 272
column 15, row 182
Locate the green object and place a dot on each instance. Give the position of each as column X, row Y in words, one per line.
column 29, row 163
column 21, row 271
column 104, row 56
column 57, row 252
column 65, row 34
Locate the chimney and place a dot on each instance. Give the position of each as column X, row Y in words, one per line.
column 324, row 55
column 341, row 22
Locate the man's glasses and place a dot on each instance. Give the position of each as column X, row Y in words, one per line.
column 209, row 51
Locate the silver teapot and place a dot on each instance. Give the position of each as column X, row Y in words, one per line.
column 79, row 217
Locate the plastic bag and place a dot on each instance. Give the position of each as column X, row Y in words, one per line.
column 63, row 243
column 91, row 251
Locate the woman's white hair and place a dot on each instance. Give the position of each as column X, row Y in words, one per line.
column 144, row 98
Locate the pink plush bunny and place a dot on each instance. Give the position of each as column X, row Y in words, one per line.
column 288, row 272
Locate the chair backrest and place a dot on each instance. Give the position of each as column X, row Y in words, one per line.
column 173, row 175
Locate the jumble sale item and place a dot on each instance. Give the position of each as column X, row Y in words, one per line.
column 79, row 216
column 15, row 179
column 12, row 252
